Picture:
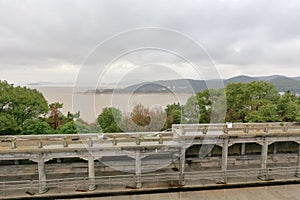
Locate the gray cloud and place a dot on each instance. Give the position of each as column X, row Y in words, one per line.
column 244, row 35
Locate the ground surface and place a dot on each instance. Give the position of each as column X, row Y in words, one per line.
column 282, row 192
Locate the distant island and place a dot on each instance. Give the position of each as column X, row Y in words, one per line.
column 191, row 86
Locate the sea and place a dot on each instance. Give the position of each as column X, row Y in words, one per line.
column 90, row 105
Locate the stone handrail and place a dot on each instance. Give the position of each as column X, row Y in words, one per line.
column 179, row 130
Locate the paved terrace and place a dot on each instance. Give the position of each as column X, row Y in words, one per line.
column 90, row 147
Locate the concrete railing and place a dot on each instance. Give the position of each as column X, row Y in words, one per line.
column 234, row 128
column 178, row 130
column 123, row 182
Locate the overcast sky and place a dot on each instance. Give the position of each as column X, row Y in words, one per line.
column 49, row 40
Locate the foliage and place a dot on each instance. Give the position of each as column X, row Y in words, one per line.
column 212, row 106
column 248, row 98
column 207, row 106
column 68, row 128
column 82, row 126
column 140, row 115
column 266, row 113
column 109, row 120
column 173, row 112
column 18, row 104
column 36, row 126
column 9, row 125
column 288, row 107
column 55, row 115
column 143, row 119
column 244, row 102
column 25, row 111
column 190, row 111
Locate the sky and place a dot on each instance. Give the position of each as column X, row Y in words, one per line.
column 122, row 40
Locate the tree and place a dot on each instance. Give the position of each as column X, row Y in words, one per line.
column 173, row 112
column 157, row 120
column 9, row 125
column 18, row 104
column 82, row 126
column 140, row 115
column 55, row 115
column 211, row 106
column 37, row 126
column 190, row 110
column 68, row 128
column 245, row 98
column 265, row 113
column 288, row 107
column 109, row 120
column 143, row 119
column 138, row 120
column 73, row 127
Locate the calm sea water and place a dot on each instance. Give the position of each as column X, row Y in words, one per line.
column 91, row 105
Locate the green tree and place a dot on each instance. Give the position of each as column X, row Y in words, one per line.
column 109, row 120
column 68, row 128
column 288, row 107
column 19, row 104
column 173, row 112
column 265, row 113
column 245, row 98
column 190, row 110
column 36, row 126
column 82, row 126
column 9, row 125
column 211, row 106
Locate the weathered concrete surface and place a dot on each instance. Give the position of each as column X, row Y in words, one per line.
column 282, row 192
column 41, row 149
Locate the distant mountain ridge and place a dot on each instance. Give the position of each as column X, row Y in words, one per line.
column 192, row 86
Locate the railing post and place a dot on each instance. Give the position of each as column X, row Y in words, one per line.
column 285, row 127
column 14, row 143
column 182, row 166
column 263, row 161
column 224, row 159
column 138, row 169
column 114, row 140
column 205, row 129
column 160, row 141
column 40, row 144
column 243, row 149
column 266, row 128
column 42, row 174
column 65, row 142
column 90, row 142
column 246, row 129
column 91, row 166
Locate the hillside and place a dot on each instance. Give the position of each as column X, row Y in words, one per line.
column 178, row 86
column 240, row 79
column 282, row 83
